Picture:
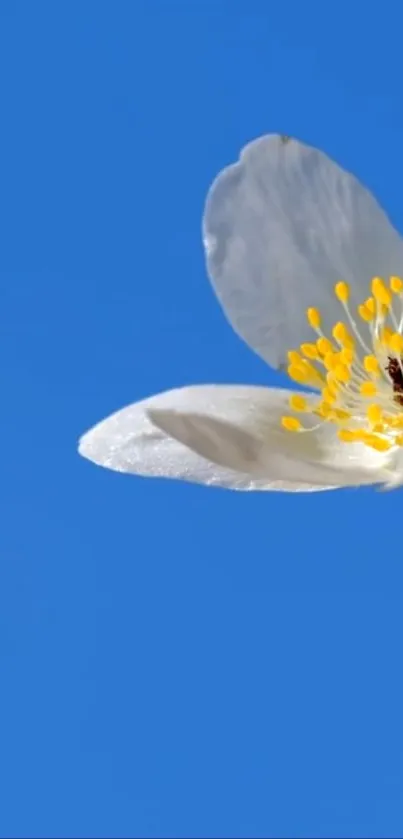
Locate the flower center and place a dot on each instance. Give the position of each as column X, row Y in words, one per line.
column 358, row 371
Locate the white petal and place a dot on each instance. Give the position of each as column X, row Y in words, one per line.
column 226, row 436
column 281, row 227
column 127, row 441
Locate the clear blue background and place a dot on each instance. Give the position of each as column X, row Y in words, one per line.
column 177, row 660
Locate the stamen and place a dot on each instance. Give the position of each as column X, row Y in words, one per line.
column 294, row 357
column 342, row 373
column 374, row 414
column 368, row 389
column 314, row 318
column 291, row 423
column 396, row 343
column 298, row 403
column 328, row 395
column 342, row 292
column 380, row 292
column 341, row 335
column 330, row 360
column 365, row 313
column 297, row 374
column 371, row 365
column 396, row 285
column 348, row 435
column 377, row 443
column 310, row 351
column 346, row 379
column 347, row 355
column 324, row 346
column 385, row 335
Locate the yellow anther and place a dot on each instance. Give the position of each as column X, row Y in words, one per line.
column 328, row 395
column 385, row 335
column 324, row 409
column 395, row 422
column 396, row 284
column 396, row 343
column 313, row 374
column 374, row 414
column 314, row 318
column 294, row 357
column 341, row 415
column 305, row 373
column 368, row 389
column 380, row 444
column 310, row 351
column 370, row 304
column 380, row 292
column 341, row 335
column 331, row 360
column 331, row 383
column 291, row 423
column 297, row 403
column 367, row 310
column 399, row 440
column 342, row 373
column 298, row 374
column 340, row 332
column 347, row 355
column 324, row 346
column 371, row 365
column 347, row 435
column 342, row 292
column 365, row 313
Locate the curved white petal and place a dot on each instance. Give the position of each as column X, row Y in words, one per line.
column 227, row 436
column 127, row 441
column 281, row 227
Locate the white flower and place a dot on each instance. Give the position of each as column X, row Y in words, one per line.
column 305, row 265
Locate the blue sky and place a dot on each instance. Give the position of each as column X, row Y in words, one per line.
column 176, row 660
